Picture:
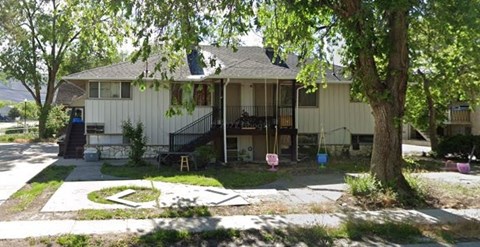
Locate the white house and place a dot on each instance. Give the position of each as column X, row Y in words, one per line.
column 235, row 109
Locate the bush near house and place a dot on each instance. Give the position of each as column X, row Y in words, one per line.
column 57, row 121
column 137, row 141
column 460, row 146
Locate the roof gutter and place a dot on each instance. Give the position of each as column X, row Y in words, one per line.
column 198, row 80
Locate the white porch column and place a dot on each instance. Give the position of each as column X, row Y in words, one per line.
column 225, row 121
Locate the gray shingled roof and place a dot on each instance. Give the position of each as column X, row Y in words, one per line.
column 247, row 62
column 66, row 92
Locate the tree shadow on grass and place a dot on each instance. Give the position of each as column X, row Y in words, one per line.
column 406, row 227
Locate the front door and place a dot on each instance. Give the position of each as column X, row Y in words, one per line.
column 233, row 102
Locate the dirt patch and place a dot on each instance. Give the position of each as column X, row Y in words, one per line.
column 437, row 194
column 446, row 195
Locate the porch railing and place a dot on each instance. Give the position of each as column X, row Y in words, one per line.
column 459, row 116
column 258, row 116
column 191, row 133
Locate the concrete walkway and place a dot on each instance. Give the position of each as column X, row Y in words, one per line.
column 24, row 229
column 21, row 162
column 73, row 196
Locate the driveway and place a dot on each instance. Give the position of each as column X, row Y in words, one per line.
column 21, row 162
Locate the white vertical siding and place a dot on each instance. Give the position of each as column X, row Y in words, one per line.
column 336, row 111
column 148, row 107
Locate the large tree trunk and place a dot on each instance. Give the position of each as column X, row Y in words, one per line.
column 385, row 88
column 42, row 122
column 386, row 162
column 45, row 109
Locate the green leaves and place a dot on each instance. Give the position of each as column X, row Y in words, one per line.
column 42, row 40
column 443, row 50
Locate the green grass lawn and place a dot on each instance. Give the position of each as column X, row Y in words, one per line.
column 143, row 213
column 142, row 194
column 49, row 179
column 225, row 177
column 29, row 137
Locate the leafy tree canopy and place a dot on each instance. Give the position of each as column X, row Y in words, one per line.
column 40, row 37
column 445, row 64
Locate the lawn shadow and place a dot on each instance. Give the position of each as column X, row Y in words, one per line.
column 403, row 226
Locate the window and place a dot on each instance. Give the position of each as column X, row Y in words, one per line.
column 362, row 139
column 125, row 90
column 109, row 90
column 308, row 139
column 307, row 143
column 200, row 95
column 307, row 98
column 93, row 89
column 304, row 98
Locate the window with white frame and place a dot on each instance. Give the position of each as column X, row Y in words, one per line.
column 109, row 90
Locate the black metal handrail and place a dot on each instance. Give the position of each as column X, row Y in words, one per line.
column 191, row 132
column 69, row 129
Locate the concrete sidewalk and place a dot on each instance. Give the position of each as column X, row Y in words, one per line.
column 21, row 162
column 24, row 229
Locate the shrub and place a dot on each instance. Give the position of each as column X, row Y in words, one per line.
column 71, row 240
column 138, row 142
column 56, row 121
column 13, row 113
column 363, row 185
column 459, row 145
column 19, row 110
column 203, row 155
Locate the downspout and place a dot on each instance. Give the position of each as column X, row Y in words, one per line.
column 296, row 118
column 225, row 121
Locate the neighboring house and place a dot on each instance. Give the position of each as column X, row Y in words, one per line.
column 232, row 103
column 460, row 120
column 70, row 95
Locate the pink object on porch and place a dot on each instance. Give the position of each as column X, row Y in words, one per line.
column 463, row 167
column 272, row 160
